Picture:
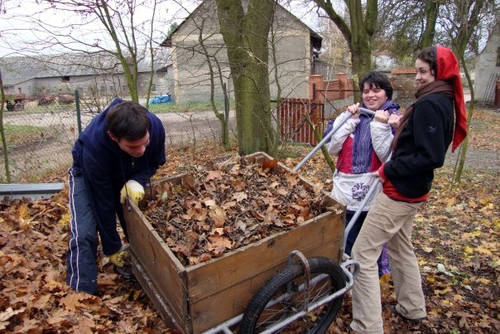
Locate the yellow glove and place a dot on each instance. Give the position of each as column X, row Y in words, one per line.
column 118, row 258
column 134, row 190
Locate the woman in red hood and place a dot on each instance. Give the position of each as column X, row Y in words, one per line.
column 426, row 129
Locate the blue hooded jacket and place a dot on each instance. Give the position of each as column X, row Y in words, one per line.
column 106, row 168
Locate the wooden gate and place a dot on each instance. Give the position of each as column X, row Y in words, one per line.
column 294, row 127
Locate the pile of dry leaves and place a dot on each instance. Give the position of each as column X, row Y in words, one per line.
column 227, row 205
column 34, row 297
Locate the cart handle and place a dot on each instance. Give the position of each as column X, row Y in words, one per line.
column 325, row 138
column 350, row 224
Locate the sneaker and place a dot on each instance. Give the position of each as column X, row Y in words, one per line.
column 394, row 310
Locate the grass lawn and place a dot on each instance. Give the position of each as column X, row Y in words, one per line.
column 184, row 107
column 20, row 134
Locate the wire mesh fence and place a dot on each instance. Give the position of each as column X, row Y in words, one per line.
column 40, row 136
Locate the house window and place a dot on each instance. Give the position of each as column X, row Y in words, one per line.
column 65, row 78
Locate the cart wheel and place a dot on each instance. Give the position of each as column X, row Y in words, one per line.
column 258, row 318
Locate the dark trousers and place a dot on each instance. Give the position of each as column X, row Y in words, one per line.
column 82, row 250
column 353, row 234
column 383, row 260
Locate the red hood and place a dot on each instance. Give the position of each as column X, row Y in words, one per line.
column 447, row 69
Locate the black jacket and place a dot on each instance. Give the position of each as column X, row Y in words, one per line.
column 422, row 146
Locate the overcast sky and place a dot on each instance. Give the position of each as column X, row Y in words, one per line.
column 17, row 27
column 19, row 35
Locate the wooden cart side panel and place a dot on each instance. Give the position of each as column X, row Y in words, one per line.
column 209, row 278
column 160, row 304
column 160, row 264
column 223, row 305
column 174, row 179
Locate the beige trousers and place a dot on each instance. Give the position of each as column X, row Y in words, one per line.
column 390, row 222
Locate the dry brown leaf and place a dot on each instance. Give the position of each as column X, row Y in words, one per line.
column 58, row 316
column 209, row 202
column 71, row 301
column 228, row 205
column 218, row 215
column 204, row 257
column 292, row 180
column 9, row 313
column 269, row 164
column 282, row 191
column 53, row 286
column 238, row 185
column 240, row 196
column 220, row 242
column 42, row 301
column 213, row 175
column 85, row 326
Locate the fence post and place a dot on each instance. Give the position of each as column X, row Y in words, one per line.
column 225, row 135
column 78, row 115
column 226, row 104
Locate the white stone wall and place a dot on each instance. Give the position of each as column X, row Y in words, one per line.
column 191, row 75
column 105, row 85
column 487, row 68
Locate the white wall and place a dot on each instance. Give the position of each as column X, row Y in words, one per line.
column 487, row 69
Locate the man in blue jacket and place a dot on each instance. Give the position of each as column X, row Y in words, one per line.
column 114, row 156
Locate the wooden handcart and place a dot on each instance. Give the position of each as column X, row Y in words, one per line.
column 212, row 296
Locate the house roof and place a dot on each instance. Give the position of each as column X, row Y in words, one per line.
column 316, row 39
column 22, row 68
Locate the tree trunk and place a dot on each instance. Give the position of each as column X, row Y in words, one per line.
column 358, row 34
column 277, row 117
column 129, row 65
column 245, row 36
column 431, row 14
column 324, row 150
column 468, row 15
column 457, row 175
column 211, row 71
column 2, row 132
column 361, row 64
column 151, row 54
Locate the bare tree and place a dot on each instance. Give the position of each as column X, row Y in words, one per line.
column 403, row 27
column 114, row 28
column 199, row 45
column 245, row 32
column 2, row 131
column 465, row 22
column 202, row 66
column 2, row 127
column 358, row 31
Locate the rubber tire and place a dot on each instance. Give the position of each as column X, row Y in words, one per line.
column 318, row 265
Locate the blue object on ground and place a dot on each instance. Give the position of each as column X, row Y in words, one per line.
column 160, row 99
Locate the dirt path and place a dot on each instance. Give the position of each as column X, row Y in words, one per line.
column 476, row 158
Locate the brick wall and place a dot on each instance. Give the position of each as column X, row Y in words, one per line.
column 337, row 89
column 341, row 88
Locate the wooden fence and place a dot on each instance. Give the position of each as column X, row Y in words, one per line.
column 294, row 127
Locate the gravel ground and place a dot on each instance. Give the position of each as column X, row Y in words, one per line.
column 480, row 159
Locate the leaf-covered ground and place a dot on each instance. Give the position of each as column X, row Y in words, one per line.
column 456, row 238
